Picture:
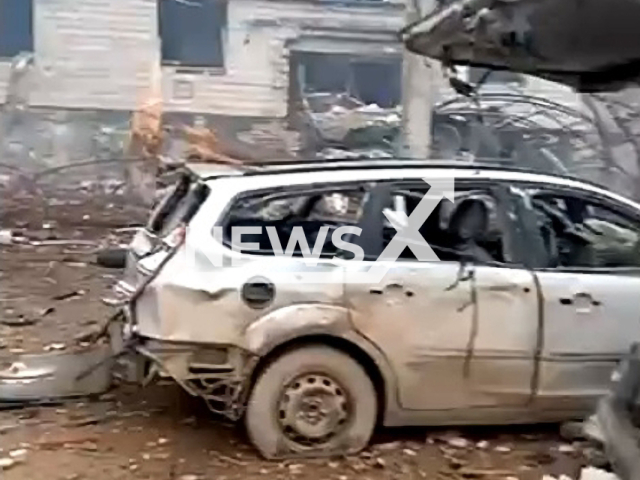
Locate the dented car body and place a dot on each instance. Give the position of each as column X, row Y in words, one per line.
column 530, row 306
column 521, row 320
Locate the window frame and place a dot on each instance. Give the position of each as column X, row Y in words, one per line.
column 308, row 62
column 598, row 200
column 188, row 66
column 492, row 187
column 293, row 191
column 4, row 56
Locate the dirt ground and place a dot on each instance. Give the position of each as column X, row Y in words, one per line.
column 50, row 296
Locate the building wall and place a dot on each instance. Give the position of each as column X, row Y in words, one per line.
column 94, row 60
column 90, row 53
column 98, row 54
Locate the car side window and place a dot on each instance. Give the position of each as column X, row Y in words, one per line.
column 317, row 214
column 585, row 233
column 465, row 230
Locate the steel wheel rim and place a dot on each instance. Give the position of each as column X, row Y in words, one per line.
column 313, row 409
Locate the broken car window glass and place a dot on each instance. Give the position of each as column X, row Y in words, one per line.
column 583, row 234
column 179, row 204
column 312, row 212
column 466, row 230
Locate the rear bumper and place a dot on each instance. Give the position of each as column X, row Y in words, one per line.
column 44, row 377
column 81, row 372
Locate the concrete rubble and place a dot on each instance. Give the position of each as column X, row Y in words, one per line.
column 592, row 473
column 339, row 118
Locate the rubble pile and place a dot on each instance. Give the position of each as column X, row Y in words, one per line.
column 338, row 123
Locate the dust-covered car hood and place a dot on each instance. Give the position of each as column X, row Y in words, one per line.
column 590, row 45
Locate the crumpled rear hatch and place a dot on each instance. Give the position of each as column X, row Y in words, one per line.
column 590, row 45
column 155, row 243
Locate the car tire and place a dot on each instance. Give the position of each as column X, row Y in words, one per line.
column 311, row 401
column 112, row 258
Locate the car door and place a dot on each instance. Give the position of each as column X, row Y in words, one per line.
column 458, row 334
column 590, row 293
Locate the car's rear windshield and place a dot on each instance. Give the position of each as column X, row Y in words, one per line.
column 181, row 202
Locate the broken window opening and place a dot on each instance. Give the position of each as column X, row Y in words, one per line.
column 467, row 230
column 313, row 212
column 192, row 32
column 368, row 81
column 581, row 233
column 179, row 205
column 16, row 27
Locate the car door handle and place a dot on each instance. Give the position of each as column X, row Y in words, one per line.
column 390, row 286
column 580, row 296
column 505, row 287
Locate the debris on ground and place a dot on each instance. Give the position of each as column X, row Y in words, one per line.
column 6, row 237
column 560, row 477
column 458, row 442
column 69, row 295
column 566, row 448
column 342, row 119
column 6, row 463
column 571, row 431
column 19, row 321
column 112, row 257
column 503, row 449
column 592, row 473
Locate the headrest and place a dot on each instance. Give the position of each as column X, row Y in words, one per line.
column 470, row 219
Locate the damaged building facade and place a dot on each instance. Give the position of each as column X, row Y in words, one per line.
column 274, row 79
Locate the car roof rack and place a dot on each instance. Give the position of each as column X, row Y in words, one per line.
column 249, row 168
column 302, row 166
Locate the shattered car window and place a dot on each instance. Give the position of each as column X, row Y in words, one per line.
column 179, row 203
column 330, row 206
column 316, row 214
column 581, row 233
column 266, row 209
column 466, row 229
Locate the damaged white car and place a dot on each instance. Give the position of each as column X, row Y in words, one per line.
column 530, row 305
column 522, row 319
column 531, row 302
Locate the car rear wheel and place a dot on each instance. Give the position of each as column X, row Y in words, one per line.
column 314, row 400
